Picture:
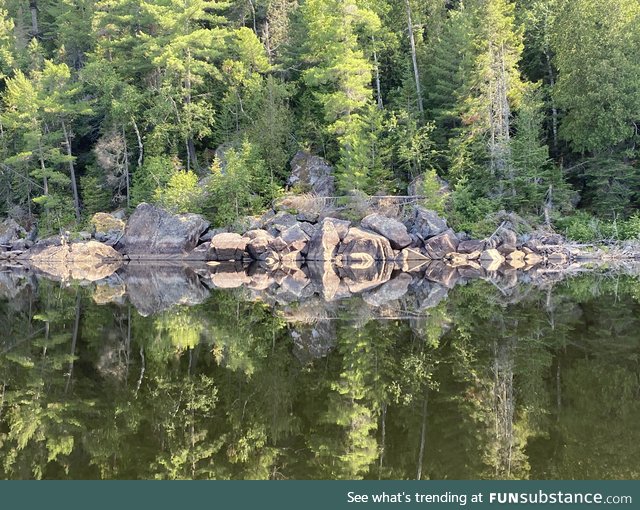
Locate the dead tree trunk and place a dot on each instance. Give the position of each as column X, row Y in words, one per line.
column 414, row 60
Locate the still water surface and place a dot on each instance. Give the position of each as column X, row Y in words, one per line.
column 478, row 382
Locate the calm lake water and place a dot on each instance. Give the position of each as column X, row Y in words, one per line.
column 165, row 376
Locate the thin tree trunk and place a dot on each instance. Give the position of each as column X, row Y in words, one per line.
column 423, row 435
column 74, row 341
column 45, row 181
column 33, row 6
column 253, row 14
column 377, row 70
column 554, row 108
column 72, row 171
column 414, row 59
column 126, row 164
column 140, row 144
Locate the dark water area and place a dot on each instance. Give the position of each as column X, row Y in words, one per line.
column 164, row 377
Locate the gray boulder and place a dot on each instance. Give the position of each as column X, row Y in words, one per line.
column 363, row 247
column 258, row 242
column 227, row 246
column 426, row 223
column 312, row 173
column 392, row 229
column 441, row 245
column 10, row 232
column 152, row 232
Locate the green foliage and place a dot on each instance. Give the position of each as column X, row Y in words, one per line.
column 101, row 94
column 431, row 189
column 585, row 227
column 595, row 46
column 182, row 193
column 241, row 187
column 154, row 174
column 612, row 186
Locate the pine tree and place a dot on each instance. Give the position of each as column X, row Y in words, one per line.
column 183, row 48
column 539, row 184
column 595, row 45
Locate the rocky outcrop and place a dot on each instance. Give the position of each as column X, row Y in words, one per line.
column 312, row 174
column 324, row 243
column 227, row 247
column 10, row 232
column 153, row 233
column 155, row 288
column 362, row 247
column 441, row 245
column 425, row 223
column 390, row 228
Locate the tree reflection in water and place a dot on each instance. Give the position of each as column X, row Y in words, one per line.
column 129, row 381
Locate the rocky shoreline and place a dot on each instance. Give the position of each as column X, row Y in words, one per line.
column 325, row 247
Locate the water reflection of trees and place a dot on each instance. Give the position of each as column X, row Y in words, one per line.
column 485, row 386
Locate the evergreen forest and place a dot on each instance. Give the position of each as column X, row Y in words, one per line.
column 526, row 106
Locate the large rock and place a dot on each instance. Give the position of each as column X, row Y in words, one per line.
column 10, row 232
column 426, row 223
column 279, row 222
column 324, row 243
column 89, row 261
column 152, row 232
column 471, row 246
column 258, row 242
column 392, row 229
column 227, row 246
column 295, row 239
column 441, row 245
column 363, row 246
column 312, row 174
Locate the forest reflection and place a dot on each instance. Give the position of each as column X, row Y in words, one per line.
column 543, row 382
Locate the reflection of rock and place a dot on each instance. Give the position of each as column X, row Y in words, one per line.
column 154, row 288
column 14, row 282
column 152, row 232
column 366, row 278
column 429, row 295
column 392, row 229
column 390, row 291
column 313, row 341
column 439, row 272
column 91, row 261
column 312, row 173
column 324, row 278
column 108, row 293
column 229, row 275
column 111, row 361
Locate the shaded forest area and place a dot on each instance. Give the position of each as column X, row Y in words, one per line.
column 529, row 106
